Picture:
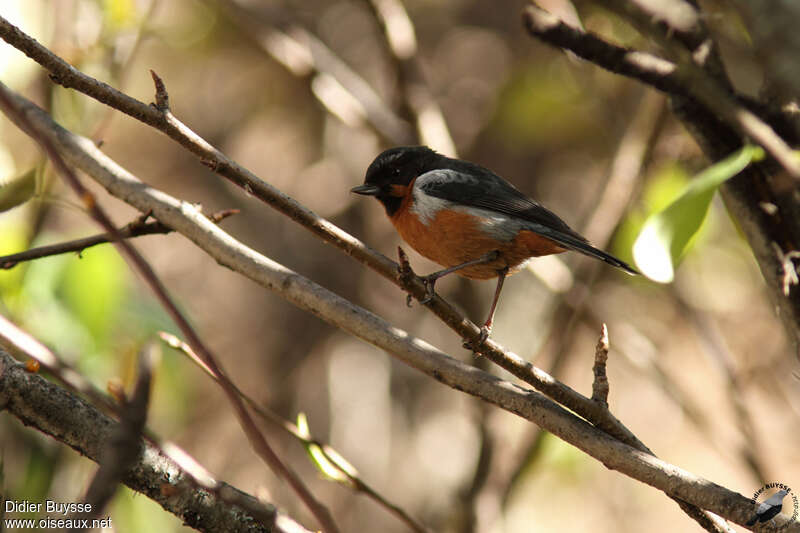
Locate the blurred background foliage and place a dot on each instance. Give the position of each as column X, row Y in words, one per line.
column 699, row 370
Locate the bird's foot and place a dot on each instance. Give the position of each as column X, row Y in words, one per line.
column 407, row 275
column 475, row 344
column 429, row 282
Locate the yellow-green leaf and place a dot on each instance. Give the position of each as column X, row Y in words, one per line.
column 666, row 234
column 94, row 289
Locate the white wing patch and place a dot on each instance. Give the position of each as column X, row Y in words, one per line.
column 426, row 206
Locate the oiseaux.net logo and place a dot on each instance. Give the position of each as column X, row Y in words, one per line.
column 769, row 502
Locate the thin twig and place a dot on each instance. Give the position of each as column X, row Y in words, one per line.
column 11, row 108
column 134, row 229
column 137, row 228
column 331, row 455
column 600, row 383
column 124, row 447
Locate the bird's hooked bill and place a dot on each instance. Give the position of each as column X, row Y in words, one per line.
column 366, row 190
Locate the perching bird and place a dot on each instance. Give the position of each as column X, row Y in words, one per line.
column 770, row 508
column 467, row 218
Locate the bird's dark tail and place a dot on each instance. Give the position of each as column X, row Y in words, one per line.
column 591, row 251
column 574, row 241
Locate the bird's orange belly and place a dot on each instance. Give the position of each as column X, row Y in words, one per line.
column 452, row 237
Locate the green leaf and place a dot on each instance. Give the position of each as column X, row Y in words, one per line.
column 18, row 191
column 327, row 460
column 94, row 289
column 665, row 236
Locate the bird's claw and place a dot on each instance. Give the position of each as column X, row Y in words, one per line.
column 406, row 275
column 429, row 283
column 484, row 335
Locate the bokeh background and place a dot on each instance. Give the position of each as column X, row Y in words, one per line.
column 700, row 369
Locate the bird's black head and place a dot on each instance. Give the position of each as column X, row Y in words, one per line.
column 390, row 174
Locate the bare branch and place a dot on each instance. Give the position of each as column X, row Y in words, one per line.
column 137, row 228
column 16, row 111
column 134, row 229
column 684, row 79
column 71, row 420
column 645, row 67
column 23, row 344
column 672, row 23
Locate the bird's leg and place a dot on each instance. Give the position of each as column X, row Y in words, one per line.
column 430, row 279
column 487, row 326
column 486, row 329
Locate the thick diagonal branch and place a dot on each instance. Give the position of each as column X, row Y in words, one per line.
column 17, row 111
column 76, row 423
